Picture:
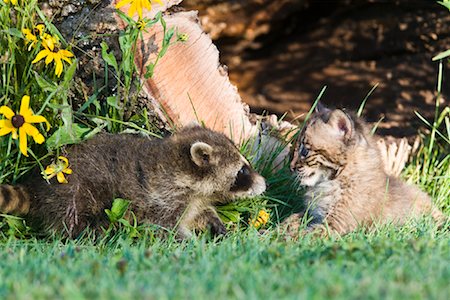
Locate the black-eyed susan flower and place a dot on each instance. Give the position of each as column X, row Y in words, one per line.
column 19, row 125
column 31, row 36
column 137, row 6
column 52, row 53
column 48, row 41
column 13, row 2
column 260, row 220
column 58, row 169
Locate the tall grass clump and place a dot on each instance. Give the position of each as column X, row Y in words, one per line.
column 33, row 94
column 37, row 116
column 430, row 166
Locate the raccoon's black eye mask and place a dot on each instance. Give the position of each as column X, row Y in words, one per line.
column 243, row 180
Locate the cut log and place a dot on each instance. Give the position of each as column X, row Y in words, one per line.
column 189, row 84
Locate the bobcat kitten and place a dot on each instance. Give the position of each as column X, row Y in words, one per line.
column 173, row 182
column 338, row 161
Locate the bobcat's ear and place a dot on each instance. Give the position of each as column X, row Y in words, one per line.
column 321, row 109
column 201, row 154
column 342, row 123
column 323, row 112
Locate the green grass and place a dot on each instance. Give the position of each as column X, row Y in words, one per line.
column 389, row 264
column 412, row 262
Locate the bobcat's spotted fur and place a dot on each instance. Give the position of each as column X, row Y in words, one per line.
column 338, row 161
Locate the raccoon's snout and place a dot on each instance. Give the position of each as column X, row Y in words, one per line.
column 248, row 182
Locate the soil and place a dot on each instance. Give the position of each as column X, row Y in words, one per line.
column 349, row 49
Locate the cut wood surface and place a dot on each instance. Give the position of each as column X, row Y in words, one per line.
column 189, row 83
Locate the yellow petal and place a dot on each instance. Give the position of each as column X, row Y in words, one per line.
column 14, row 134
column 64, row 160
column 6, row 123
column 133, row 9
column 7, row 112
column 32, row 131
column 49, row 170
column 37, row 119
column 67, row 171
column 122, row 3
column 41, row 55
column 25, row 105
column 6, row 130
column 147, row 4
column 40, row 28
column 27, row 33
column 48, row 41
column 66, row 59
column 23, row 141
column 58, row 66
column 61, row 178
column 49, row 58
column 65, row 53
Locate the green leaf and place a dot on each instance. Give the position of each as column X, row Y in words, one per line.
column 113, row 101
column 66, row 137
column 14, row 32
column 47, row 86
column 118, row 210
column 92, row 100
column 442, row 55
column 150, row 69
column 109, row 57
column 229, row 216
column 69, row 74
column 445, row 4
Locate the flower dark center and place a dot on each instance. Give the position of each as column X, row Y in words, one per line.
column 17, row 121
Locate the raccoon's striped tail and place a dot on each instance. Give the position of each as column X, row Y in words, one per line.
column 14, row 200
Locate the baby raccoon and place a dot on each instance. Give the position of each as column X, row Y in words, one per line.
column 337, row 160
column 173, row 182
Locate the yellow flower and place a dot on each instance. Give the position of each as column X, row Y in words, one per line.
column 22, row 122
column 58, row 169
column 32, row 36
column 13, row 2
column 137, row 6
column 57, row 55
column 48, row 41
column 261, row 219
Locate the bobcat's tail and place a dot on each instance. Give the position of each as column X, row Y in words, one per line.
column 14, row 200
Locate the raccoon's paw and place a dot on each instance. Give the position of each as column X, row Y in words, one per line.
column 216, row 227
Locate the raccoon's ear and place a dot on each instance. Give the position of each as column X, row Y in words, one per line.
column 342, row 123
column 192, row 124
column 201, row 154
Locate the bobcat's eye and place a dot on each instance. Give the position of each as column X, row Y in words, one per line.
column 303, row 151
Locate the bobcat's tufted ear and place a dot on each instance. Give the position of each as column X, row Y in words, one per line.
column 201, row 154
column 342, row 123
column 321, row 108
column 323, row 112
